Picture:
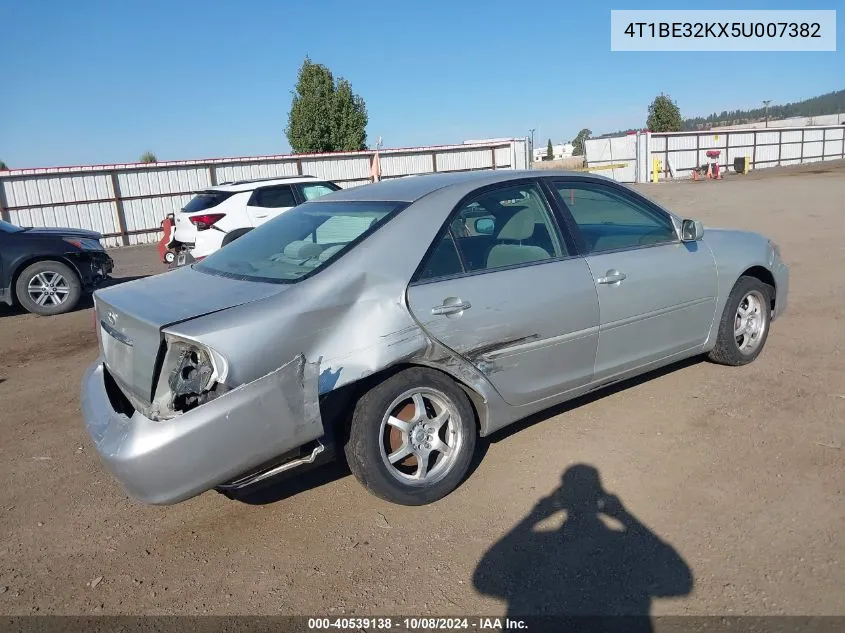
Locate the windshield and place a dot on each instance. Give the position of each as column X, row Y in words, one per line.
column 299, row 241
column 206, row 200
column 6, row 227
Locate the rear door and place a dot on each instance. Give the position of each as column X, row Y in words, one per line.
column 657, row 295
column 503, row 287
column 266, row 203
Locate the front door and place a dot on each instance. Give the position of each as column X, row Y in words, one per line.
column 503, row 288
column 657, row 295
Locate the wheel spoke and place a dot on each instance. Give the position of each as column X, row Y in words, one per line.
column 42, row 279
column 739, row 331
column 422, row 465
column 399, row 424
column 419, row 407
column 400, row 453
column 441, row 447
column 62, row 290
column 439, row 420
column 42, row 299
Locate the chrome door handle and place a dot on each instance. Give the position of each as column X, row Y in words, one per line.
column 451, row 308
column 612, row 277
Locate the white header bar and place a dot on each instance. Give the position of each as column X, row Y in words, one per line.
column 656, row 30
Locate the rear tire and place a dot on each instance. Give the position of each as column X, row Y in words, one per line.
column 412, row 437
column 744, row 326
column 48, row 287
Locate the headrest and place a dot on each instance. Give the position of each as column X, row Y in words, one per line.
column 520, row 226
column 302, row 249
column 331, row 250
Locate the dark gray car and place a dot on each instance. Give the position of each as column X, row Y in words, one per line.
column 402, row 320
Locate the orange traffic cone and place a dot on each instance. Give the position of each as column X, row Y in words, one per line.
column 709, row 170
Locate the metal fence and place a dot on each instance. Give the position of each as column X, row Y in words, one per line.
column 126, row 203
column 682, row 152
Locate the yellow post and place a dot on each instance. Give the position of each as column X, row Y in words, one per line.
column 655, row 169
column 747, row 163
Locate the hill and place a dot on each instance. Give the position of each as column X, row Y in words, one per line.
column 830, row 103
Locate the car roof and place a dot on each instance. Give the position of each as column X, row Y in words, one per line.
column 412, row 189
column 249, row 185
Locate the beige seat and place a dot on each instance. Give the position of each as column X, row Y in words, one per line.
column 516, row 230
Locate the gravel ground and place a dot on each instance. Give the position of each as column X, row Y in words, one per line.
column 729, row 480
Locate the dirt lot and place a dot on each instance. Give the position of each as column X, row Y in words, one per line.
column 739, row 471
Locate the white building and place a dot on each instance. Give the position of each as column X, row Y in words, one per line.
column 564, row 150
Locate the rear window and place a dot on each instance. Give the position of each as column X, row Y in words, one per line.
column 206, row 200
column 6, row 227
column 300, row 241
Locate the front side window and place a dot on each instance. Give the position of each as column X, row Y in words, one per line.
column 273, row 197
column 316, row 190
column 300, row 241
column 609, row 220
column 499, row 228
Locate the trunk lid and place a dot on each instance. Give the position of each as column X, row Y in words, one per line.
column 130, row 317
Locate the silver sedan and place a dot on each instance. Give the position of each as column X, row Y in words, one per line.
column 400, row 321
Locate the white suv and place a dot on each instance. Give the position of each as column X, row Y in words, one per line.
column 220, row 214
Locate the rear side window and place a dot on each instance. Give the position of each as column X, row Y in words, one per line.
column 206, row 200
column 504, row 227
column 273, row 197
column 316, row 190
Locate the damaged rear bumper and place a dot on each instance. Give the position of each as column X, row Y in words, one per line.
column 164, row 462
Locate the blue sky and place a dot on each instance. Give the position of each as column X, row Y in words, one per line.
column 101, row 82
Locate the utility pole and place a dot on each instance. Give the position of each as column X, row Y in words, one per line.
column 532, row 143
column 766, row 103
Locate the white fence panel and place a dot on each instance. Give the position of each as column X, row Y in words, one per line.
column 246, row 171
column 684, row 151
column 128, row 202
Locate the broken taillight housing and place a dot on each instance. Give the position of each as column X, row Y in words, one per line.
column 205, row 221
column 191, row 374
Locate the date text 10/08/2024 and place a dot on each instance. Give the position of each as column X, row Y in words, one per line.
column 413, row 624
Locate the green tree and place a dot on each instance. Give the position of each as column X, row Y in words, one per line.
column 579, row 141
column 3, row 166
column 148, row 157
column 550, row 152
column 664, row 115
column 325, row 115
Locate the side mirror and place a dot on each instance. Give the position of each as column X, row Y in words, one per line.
column 485, row 226
column 691, row 231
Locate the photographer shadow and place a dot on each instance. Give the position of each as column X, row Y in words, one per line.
column 602, row 561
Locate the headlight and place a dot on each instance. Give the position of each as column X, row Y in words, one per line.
column 84, row 243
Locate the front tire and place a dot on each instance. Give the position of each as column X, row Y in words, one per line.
column 48, row 288
column 412, row 437
column 744, row 326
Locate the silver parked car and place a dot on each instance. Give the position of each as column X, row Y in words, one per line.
column 402, row 320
